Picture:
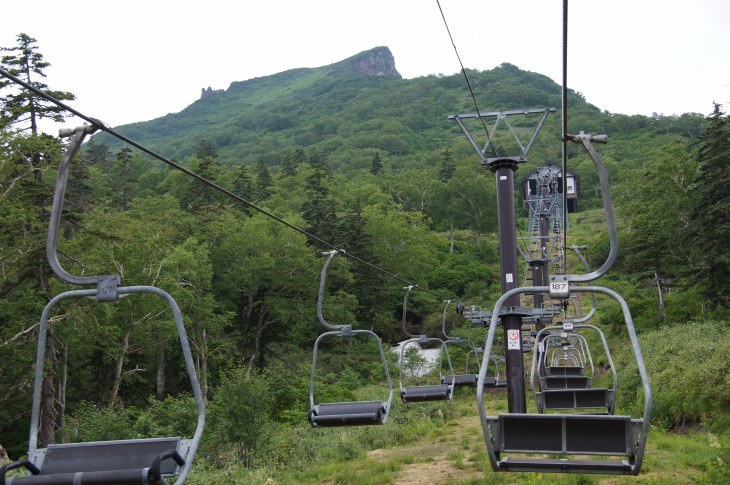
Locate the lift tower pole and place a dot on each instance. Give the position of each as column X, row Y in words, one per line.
column 503, row 168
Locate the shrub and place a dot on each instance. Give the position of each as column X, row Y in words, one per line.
column 687, row 366
column 239, row 414
column 173, row 416
column 100, row 423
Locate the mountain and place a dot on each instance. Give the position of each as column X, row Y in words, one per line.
column 361, row 105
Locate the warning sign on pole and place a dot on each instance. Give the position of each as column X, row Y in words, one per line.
column 513, row 340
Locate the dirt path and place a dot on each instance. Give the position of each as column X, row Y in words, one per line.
column 457, row 455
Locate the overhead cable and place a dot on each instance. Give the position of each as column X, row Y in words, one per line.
column 471, row 91
column 564, row 109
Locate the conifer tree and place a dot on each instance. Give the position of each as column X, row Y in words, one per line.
column 123, row 162
column 292, row 161
column 376, row 167
column 447, row 166
column 264, row 181
column 21, row 107
column 319, row 209
column 242, row 185
column 711, row 210
column 206, row 150
column 24, row 199
column 368, row 282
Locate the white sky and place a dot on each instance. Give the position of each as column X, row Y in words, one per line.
column 135, row 60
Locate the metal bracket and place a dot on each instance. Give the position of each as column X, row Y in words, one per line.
column 559, row 288
column 106, row 288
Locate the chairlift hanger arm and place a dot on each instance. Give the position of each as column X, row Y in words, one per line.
column 594, row 304
column 77, row 138
column 443, row 321
column 586, row 140
column 408, row 289
column 320, row 298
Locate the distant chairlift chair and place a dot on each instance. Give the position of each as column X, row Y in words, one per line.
column 563, row 392
column 357, row 413
column 468, row 378
column 569, row 356
column 438, row 392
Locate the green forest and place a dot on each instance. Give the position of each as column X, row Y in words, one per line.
column 374, row 166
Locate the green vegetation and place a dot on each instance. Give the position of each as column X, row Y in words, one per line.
column 371, row 165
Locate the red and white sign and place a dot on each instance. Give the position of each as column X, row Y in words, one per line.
column 513, row 340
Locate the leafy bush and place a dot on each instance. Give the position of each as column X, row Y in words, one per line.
column 173, row 416
column 687, row 366
column 100, row 423
column 239, row 414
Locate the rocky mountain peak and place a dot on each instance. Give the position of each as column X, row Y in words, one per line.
column 376, row 62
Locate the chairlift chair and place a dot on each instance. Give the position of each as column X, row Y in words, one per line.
column 119, row 462
column 421, row 393
column 354, row 413
column 571, row 436
column 466, row 379
column 561, row 392
column 567, row 361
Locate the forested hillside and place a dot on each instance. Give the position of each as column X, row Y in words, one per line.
column 370, row 163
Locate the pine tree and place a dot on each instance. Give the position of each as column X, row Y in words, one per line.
column 242, row 186
column 368, row 282
column 206, row 150
column 25, row 197
column 376, row 167
column 123, row 157
column 447, row 166
column 264, row 181
column 23, row 107
column 711, row 210
column 292, row 161
column 319, row 209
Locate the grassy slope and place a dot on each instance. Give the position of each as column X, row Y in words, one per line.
column 455, row 454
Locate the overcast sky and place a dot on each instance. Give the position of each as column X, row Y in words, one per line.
column 135, row 60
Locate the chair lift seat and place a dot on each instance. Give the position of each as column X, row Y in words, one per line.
column 566, row 434
column 460, row 380
column 576, row 398
column 565, row 370
column 565, row 382
column 125, row 462
column 348, row 413
column 439, row 392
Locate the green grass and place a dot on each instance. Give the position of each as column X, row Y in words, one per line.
column 443, row 435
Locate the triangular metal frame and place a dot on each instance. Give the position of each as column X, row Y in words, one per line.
column 497, row 117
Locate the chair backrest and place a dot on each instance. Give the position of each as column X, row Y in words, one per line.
column 108, row 455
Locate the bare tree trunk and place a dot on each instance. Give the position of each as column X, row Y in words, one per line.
column 203, row 365
column 160, row 388
column 245, row 319
column 4, row 458
column 260, row 325
column 119, row 367
column 451, row 239
column 662, row 310
column 62, row 395
column 48, row 398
